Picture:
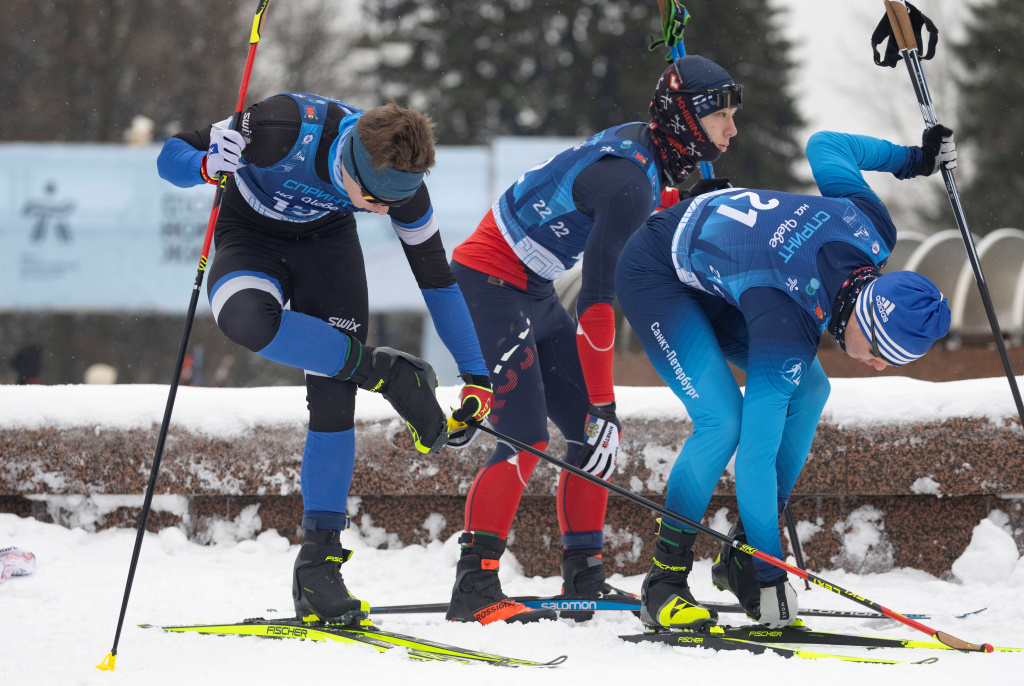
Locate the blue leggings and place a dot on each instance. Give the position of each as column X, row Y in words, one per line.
column 689, row 336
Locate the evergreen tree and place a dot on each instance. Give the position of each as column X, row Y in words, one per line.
column 574, row 67
column 991, row 104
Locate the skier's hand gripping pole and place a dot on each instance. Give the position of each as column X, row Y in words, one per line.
column 904, row 27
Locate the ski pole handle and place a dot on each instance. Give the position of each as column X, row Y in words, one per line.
column 902, row 30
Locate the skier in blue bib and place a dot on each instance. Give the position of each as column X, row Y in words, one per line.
column 755, row 277
column 286, row 233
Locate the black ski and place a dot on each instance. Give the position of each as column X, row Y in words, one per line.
column 369, row 635
column 713, row 640
column 800, row 633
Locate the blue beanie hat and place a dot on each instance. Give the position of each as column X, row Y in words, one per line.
column 909, row 315
column 387, row 183
column 700, row 73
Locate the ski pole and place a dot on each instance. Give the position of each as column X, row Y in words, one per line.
column 903, row 33
column 254, row 39
column 794, row 541
column 940, row 636
column 672, row 28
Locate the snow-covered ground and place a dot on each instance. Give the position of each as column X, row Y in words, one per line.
column 58, row 623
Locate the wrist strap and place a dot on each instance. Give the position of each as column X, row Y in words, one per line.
column 202, row 171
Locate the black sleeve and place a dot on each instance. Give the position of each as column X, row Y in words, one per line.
column 269, row 128
column 429, row 263
column 200, row 140
column 617, row 194
column 413, row 211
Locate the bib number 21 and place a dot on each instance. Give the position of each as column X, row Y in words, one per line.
column 750, row 216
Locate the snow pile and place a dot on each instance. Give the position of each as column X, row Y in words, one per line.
column 991, row 557
column 865, row 547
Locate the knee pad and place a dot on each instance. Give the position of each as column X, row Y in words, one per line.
column 250, row 318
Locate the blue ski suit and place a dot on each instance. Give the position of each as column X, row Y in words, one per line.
column 750, row 277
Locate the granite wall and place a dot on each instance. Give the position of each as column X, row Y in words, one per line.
column 912, row 493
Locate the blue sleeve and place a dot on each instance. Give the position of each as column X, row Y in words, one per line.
column 837, row 160
column 455, row 327
column 179, row 163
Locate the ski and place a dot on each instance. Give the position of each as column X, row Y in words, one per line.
column 418, row 648
column 801, row 633
column 713, row 640
column 623, row 601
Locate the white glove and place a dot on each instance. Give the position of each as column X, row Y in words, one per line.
column 224, row 155
column 601, row 446
column 779, row 604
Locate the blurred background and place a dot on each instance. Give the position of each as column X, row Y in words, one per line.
column 98, row 254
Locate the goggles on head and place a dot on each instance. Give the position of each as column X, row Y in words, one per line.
column 730, row 95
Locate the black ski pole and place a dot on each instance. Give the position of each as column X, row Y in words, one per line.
column 254, row 39
column 940, row 636
column 794, row 542
column 903, row 33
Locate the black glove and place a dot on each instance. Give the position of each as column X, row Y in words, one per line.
column 601, row 441
column 707, row 185
column 407, row 383
column 937, row 148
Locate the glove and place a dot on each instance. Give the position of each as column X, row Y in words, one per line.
column 601, row 435
column 476, row 398
column 779, row 604
column 407, row 383
column 707, row 185
column 224, row 155
column 937, row 148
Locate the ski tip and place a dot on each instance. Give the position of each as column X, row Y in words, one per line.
column 108, row 662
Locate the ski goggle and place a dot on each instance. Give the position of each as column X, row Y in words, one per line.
column 730, row 95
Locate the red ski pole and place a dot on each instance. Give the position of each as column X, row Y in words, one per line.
column 254, row 39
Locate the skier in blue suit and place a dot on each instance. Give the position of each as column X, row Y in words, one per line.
column 286, row 233
column 755, row 277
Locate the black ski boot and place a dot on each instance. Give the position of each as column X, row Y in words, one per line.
column 317, row 587
column 666, row 600
column 477, row 595
column 734, row 571
column 583, row 578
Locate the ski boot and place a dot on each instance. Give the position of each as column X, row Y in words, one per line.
column 734, row 571
column 583, row 578
column 666, row 600
column 477, row 595
column 318, row 590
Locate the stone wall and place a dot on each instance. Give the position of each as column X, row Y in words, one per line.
column 918, row 489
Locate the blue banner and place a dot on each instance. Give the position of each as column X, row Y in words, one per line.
column 93, row 227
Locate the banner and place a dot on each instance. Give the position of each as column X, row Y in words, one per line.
column 93, row 227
